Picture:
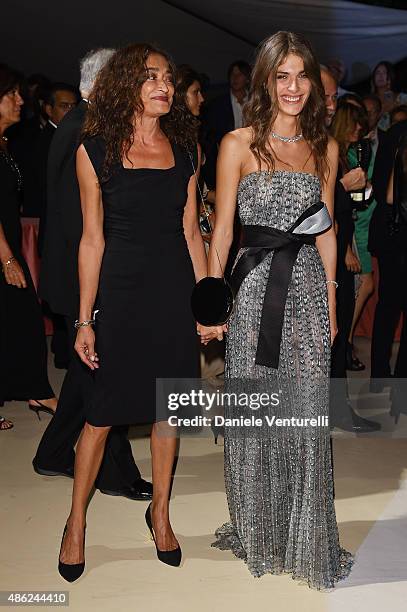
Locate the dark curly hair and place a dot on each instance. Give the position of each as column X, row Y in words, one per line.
column 116, row 97
column 261, row 109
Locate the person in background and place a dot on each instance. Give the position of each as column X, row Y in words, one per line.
column 337, row 68
column 225, row 113
column 362, row 212
column 351, row 98
column 341, row 412
column 373, row 107
column 399, row 113
column 59, row 286
column 188, row 100
column 387, row 242
column 397, row 197
column 58, row 101
column 23, row 351
column 37, row 88
column 383, row 85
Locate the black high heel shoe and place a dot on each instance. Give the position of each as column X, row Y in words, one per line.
column 170, row 557
column 353, row 364
column 217, row 430
column 39, row 408
column 70, row 572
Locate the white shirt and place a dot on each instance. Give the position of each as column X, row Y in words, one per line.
column 237, row 110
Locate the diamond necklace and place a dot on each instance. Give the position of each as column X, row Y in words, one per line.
column 295, row 138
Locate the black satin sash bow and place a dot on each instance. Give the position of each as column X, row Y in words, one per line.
column 259, row 241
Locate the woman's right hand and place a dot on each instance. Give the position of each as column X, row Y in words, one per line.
column 85, row 347
column 14, row 275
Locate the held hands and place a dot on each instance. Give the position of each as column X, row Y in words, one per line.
column 210, row 333
column 14, row 274
column 85, row 347
column 354, row 179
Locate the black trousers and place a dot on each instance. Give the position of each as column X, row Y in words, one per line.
column 392, row 302
column 56, row 449
column 345, row 305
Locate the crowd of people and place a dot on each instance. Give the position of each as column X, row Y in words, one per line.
column 114, row 170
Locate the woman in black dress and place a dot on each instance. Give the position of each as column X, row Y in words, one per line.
column 141, row 253
column 23, row 353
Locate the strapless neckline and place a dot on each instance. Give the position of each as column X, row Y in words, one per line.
column 314, row 176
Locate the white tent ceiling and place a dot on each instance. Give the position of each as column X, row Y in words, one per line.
column 209, row 34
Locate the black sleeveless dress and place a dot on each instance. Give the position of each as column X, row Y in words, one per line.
column 144, row 328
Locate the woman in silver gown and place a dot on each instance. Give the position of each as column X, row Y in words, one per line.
column 280, row 170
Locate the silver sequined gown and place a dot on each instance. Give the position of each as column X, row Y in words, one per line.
column 280, row 487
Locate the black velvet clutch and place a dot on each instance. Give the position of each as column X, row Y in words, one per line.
column 212, row 301
column 212, row 298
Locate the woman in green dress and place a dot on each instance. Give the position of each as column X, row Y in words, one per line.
column 350, row 125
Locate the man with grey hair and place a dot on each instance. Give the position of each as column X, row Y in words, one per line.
column 59, row 287
column 90, row 66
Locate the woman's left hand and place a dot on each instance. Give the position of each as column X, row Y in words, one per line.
column 210, row 333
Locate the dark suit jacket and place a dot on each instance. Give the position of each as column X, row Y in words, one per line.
column 218, row 120
column 35, row 173
column 343, row 216
column 381, row 237
column 59, row 284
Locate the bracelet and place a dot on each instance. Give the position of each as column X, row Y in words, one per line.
column 332, row 282
column 78, row 324
column 83, row 323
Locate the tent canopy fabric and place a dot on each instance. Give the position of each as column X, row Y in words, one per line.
column 360, row 34
column 209, row 34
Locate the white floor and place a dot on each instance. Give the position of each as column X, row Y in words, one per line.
column 122, row 572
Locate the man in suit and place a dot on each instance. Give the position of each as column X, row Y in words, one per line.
column 225, row 114
column 387, row 241
column 373, row 107
column 59, row 286
column 59, row 99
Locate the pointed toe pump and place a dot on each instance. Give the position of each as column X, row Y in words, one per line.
column 70, row 572
column 170, row 557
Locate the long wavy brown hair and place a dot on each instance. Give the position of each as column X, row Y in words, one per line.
column 262, row 108
column 185, row 77
column 116, row 99
column 344, row 123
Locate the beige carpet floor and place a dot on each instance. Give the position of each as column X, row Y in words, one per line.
column 122, row 572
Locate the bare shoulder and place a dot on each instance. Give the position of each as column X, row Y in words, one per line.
column 332, row 150
column 236, row 143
